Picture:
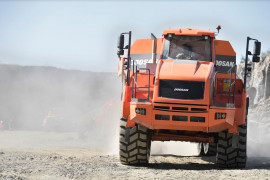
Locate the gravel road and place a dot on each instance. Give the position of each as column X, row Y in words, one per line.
column 64, row 156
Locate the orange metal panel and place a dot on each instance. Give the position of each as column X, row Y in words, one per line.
column 188, row 32
column 144, row 46
column 125, row 102
column 200, row 72
column 216, row 125
column 224, row 48
column 210, row 124
column 150, row 122
column 144, row 120
column 240, row 114
column 193, row 72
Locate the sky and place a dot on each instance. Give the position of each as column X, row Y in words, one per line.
column 83, row 34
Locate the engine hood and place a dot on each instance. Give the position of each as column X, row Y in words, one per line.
column 185, row 70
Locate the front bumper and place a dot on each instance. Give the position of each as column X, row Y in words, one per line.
column 182, row 116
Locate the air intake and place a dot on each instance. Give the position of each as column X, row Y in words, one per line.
column 162, row 117
column 197, row 119
column 179, row 118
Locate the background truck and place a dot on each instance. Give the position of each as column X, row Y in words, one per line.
column 183, row 87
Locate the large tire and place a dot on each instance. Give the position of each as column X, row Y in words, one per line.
column 229, row 157
column 208, row 149
column 137, row 150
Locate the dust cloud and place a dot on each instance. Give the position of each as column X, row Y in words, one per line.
column 258, row 143
column 46, row 107
column 175, row 148
column 61, row 108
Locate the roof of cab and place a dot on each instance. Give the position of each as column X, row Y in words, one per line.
column 188, row 32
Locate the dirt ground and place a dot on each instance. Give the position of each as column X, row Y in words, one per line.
column 48, row 155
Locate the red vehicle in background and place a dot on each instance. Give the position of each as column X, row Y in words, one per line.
column 53, row 121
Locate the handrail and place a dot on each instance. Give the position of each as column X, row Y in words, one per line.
column 230, row 70
column 135, row 84
column 232, row 84
column 214, row 88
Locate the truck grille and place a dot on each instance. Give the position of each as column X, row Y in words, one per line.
column 176, row 89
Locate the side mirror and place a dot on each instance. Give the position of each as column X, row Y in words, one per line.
column 257, row 48
column 120, row 52
column 121, row 40
column 255, row 58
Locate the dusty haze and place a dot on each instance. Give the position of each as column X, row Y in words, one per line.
column 87, row 110
column 71, row 100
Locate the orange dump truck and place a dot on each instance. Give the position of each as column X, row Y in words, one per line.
column 183, row 87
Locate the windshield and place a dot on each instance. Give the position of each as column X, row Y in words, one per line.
column 187, row 47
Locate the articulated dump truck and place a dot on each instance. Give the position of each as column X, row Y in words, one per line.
column 183, row 87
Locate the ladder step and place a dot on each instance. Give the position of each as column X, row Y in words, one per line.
column 141, row 87
column 141, row 90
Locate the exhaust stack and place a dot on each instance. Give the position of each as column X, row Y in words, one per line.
column 154, row 48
